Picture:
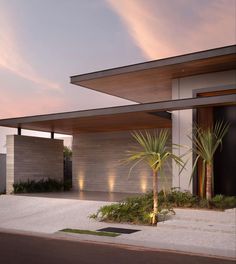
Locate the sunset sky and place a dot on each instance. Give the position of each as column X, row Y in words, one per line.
column 43, row 42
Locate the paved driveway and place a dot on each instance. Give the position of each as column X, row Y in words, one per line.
column 196, row 231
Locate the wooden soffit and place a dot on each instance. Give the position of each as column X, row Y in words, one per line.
column 138, row 116
column 151, row 81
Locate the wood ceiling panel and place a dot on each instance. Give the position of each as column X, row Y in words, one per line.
column 129, row 121
column 154, row 84
column 130, row 117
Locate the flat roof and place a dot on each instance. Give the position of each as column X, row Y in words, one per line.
column 151, row 81
column 139, row 116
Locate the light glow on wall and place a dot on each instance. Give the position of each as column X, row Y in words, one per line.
column 143, row 185
column 111, row 183
column 111, row 180
column 81, row 180
column 81, row 184
column 143, row 181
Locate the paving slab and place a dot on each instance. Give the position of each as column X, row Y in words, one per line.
column 195, row 231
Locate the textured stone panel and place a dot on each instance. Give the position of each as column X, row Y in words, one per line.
column 33, row 158
column 98, row 164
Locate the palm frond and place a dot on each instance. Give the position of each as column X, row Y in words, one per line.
column 205, row 143
column 153, row 149
column 194, row 169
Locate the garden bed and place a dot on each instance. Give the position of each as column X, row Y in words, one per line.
column 138, row 210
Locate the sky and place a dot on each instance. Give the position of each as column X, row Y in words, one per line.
column 43, row 42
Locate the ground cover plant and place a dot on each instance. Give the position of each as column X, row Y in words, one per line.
column 31, row 186
column 138, row 210
column 89, row 232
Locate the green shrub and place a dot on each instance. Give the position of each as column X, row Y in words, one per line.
column 135, row 210
column 203, row 203
column 138, row 210
column 229, row 202
column 67, row 185
column 181, row 199
column 223, row 202
column 31, row 186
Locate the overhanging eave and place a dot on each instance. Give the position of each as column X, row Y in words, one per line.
column 152, row 81
column 130, row 117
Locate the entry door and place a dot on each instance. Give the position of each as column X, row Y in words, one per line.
column 225, row 159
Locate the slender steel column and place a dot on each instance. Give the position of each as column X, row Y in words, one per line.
column 18, row 131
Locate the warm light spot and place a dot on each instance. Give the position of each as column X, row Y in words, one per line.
column 111, row 180
column 111, row 183
column 143, row 185
column 80, row 178
column 81, row 184
column 143, row 182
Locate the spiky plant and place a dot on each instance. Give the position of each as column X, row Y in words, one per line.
column 205, row 143
column 154, row 151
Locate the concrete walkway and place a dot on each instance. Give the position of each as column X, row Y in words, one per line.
column 195, row 231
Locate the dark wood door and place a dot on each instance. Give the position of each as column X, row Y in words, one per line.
column 225, row 158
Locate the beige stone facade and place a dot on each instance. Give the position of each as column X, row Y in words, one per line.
column 98, row 166
column 33, row 158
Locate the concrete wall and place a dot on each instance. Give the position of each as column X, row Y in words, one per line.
column 182, row 120
column 33, row 158
column 2, row 173
column 97, row 164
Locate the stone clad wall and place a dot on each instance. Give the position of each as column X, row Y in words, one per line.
column 97, row 164
column 2, row 172
column 33, row 158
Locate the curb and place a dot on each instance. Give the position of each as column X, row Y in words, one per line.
column 118, row 242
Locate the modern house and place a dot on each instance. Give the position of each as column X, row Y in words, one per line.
column 170, row 93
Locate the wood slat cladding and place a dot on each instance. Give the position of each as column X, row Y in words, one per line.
column 143, row 87
column 216, row 93
column 205, row 119
column 98, row 164
column 151, row 84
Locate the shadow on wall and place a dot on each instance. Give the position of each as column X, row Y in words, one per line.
column 2, row 173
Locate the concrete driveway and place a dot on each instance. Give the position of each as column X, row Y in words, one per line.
column 195, row 231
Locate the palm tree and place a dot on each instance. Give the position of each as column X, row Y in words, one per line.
column 205, row 143
column 155, row 152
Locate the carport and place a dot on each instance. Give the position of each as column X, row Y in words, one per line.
column 95, row 122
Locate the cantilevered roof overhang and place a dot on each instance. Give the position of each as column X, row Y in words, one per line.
column 151, row 81
column 140, row 116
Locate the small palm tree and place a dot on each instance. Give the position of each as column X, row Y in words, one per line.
column 205, row 143
column 155, row 152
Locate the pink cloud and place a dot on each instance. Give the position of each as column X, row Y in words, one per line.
column 167, row 28
column 35, row 104
column 13, row 60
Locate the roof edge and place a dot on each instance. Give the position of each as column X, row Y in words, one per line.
column 187, row 103
column 199, row 55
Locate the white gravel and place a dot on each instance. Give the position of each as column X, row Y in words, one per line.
column 195, row 231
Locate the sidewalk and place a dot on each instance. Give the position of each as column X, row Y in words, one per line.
column 194, row 231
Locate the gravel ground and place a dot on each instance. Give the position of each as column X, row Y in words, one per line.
column 195, row 231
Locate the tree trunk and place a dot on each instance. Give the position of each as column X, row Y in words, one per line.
column 208, row 181
column 155, row 198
